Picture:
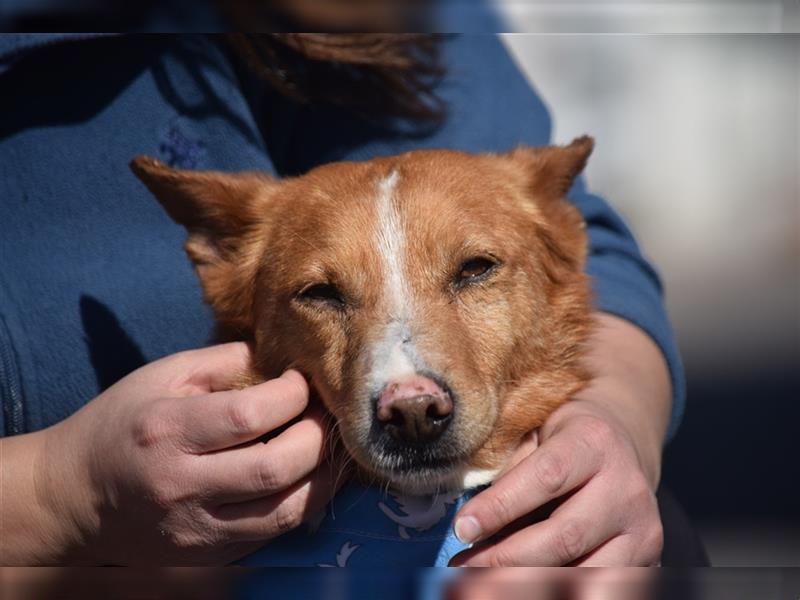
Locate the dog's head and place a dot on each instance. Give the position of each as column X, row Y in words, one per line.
column 436, row 300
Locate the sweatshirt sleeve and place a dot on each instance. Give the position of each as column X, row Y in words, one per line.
column 625, row 284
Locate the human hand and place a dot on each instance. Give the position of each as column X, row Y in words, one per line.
column 599, row 454
column 165, row 466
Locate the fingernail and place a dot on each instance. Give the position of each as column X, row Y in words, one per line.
column 467, row 529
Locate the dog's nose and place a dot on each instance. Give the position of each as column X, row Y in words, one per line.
column 416, row 410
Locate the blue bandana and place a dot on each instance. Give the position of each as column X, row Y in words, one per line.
column 369, row 527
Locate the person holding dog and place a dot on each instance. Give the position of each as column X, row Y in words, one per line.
column 112, row 457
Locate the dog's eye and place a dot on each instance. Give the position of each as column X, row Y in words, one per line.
column 322, row 292
column 474, row 269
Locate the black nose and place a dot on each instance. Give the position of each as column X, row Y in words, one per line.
column 419, row 419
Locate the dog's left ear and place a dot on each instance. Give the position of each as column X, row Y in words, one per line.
column 551, row 170
column 222, row 213
column 547, row 174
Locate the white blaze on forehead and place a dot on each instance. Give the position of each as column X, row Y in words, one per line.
column 393, row 357
column 391, row 246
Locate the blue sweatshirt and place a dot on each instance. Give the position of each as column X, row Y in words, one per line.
column 93, row 279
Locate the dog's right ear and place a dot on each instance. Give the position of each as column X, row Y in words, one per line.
column 211, row 203
column 222, row 213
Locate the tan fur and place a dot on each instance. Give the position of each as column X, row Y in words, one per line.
column 509, row 347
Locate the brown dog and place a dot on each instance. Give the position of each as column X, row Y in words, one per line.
column 436, row 300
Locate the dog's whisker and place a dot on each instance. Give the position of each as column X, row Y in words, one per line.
column 301, row 238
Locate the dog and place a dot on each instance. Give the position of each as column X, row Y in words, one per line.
column 436, row 300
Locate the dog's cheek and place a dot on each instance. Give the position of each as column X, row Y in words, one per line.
column 350, row 404
column 509, row 328
column 331, row 348
column 487, row 318
column 520, row 413
column 325, row 347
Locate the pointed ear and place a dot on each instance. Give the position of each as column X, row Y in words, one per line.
column 547, row 174
column 212, row 203
column 222, row 213
column 552, row 169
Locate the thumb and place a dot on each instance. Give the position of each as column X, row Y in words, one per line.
column 218, row 368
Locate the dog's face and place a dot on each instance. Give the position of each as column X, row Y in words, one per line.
column 436, row 300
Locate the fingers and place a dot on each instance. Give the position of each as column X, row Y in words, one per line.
column 225, row 419
column 570, row 533
column 271, row 516
column 557, row 467
column 260, row 470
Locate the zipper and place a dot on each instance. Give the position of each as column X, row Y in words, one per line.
column 10, row 384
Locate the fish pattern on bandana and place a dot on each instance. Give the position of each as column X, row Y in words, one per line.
column 366, row 527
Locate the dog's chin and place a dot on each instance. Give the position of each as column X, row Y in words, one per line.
column 432, row 479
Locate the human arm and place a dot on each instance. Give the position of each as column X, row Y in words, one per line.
column 161, row 469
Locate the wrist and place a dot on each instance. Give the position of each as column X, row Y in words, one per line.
column 631, row 385
column 31, row 534
column 65, row 494
column 41, row 519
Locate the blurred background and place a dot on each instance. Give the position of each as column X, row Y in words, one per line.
column 698, row 136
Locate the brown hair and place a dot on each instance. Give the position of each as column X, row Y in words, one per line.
column 372, row 74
